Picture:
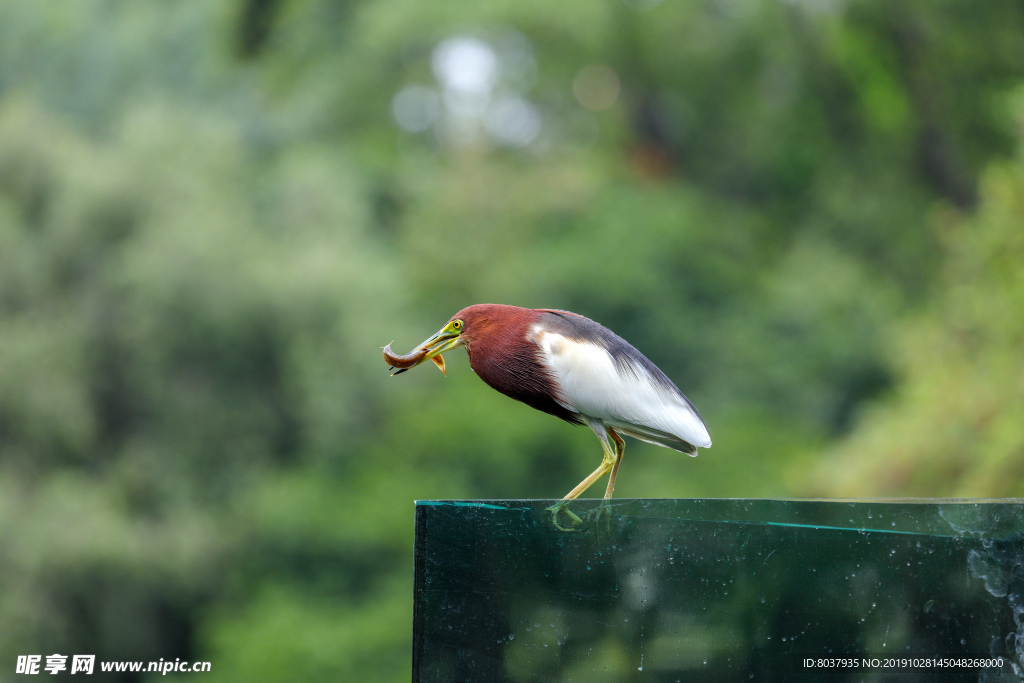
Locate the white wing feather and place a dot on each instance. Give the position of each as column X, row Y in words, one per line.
column 632, row 402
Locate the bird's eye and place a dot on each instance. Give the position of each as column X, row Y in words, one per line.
column 457, row 325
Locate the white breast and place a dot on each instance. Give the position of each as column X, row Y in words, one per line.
column 592, row 385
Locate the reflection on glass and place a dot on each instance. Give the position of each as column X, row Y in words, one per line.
column 716, row 590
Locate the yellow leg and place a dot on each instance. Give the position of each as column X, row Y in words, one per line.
column 620, row 448
column 610, row 462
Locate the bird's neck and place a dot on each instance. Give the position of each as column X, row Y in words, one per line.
column 508, row 361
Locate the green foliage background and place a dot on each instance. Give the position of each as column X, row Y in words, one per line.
column 807, row 213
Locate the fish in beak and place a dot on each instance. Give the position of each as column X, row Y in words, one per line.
column 448, row 337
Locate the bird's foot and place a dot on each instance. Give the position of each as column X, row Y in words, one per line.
column 599, row 520
column 574, row 519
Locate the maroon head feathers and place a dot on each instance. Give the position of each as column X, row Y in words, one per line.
column 494, row 324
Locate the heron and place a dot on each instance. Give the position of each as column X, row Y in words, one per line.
column 573, row 368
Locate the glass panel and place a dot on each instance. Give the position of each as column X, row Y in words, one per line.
column 718, row 590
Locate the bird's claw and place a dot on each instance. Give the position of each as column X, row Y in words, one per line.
column 574, row 519
column 598, row 520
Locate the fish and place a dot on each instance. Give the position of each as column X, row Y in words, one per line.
column 409, row 360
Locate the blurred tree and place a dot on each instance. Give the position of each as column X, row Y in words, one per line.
column 954, row 425
column 170, row 340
